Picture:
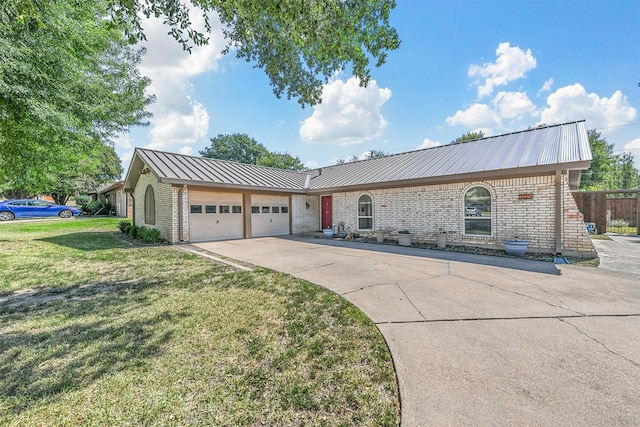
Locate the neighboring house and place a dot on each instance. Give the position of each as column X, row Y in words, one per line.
column 480, row 192
column 114, row 195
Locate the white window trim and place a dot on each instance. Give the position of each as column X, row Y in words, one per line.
column 489, row 218
column 358, row 212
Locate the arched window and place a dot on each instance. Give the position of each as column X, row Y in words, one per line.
column 477, row 212
column 365, row 213
column 149, row 206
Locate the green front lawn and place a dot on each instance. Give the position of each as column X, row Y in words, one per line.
column 96, row 331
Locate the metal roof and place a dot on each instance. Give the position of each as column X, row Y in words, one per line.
column 181, row 169
column 532, row 151
column 545, row 149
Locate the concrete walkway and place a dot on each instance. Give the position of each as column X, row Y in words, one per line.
column 482, row 340
column 621, row 253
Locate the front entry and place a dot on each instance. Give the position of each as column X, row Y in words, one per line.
column 327, row 212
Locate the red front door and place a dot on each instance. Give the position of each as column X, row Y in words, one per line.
column 327, row 212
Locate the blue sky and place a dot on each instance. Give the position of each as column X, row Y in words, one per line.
column 498, row 66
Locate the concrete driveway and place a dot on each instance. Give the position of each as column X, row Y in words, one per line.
column 482, row 340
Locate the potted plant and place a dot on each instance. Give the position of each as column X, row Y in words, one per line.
column 404, row 238
column 515, row 246
column 441, row 239
column 380, row 235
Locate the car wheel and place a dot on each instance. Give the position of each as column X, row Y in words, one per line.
column 65, row 214
column 6, row 216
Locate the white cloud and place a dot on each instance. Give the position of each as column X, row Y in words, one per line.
column 179, row 128
column 348, row 114
column 427, row 143
column 546, row 86
column 476, row 116
column 312, row 164
column 512, row 63
column 178, row 118
column 633, row 147
column 571, row 103
column 510, row 105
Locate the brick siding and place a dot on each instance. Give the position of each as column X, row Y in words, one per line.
column 424, row 210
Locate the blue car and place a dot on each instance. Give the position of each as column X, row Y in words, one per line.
column 10, row 209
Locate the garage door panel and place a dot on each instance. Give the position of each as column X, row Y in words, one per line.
column 269, row 215
column 215, row 216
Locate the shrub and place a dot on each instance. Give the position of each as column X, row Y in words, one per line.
column 134, row 231
column 149, row 235
column 124, row 226
column 82, row 202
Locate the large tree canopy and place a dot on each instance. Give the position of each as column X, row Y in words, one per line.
column 240, row 147
column 299, row 44
column 68, row 80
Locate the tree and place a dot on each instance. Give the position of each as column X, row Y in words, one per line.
column 608, row 171
column 281, row 161
column 469, row 136
column 299, row 44
column 371, row 154
column 601, row 163
column 242, row 148
column 236, row 147
column 67, row 81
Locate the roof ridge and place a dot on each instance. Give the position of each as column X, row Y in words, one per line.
column 220, row 160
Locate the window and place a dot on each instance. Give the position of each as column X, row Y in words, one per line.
column 224, row 208
column 477, row 212
column 275, row 209
column 196, row 209
column 255, row 209
column 265, row 209
column 236, row 209
column 149, row 206
column 365, row 213
column 210, row 209
column 284, row 210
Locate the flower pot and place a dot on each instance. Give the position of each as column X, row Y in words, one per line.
column 441, row 240
column 404, row 239
column 515, row 247
column 380, row 236
column 328, row 232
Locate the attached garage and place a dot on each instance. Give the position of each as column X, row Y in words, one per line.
column 215, row 216
column 269, row 215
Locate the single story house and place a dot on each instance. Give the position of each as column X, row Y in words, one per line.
column 479, row 192
column 113, row 194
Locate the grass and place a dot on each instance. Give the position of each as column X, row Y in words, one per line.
column 95, row 331
column 622, row 229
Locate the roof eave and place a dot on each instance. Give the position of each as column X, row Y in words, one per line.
column 236, row 187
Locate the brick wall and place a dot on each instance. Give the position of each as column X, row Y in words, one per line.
column 521, row 207
column 305, row 219
column 165, row 197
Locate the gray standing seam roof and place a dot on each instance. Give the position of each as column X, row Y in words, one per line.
column 557, row 147
column 178, row 168
column 564, row 146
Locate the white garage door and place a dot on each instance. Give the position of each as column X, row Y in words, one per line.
column 269, row 215
column 215, row 216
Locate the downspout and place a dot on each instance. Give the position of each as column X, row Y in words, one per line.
column 559, row 213
column 181, row 212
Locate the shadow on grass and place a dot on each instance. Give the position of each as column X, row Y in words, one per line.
column 56, row 342
column 88, row 241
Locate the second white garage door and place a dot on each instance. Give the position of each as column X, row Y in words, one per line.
column 215, row 216
column 269, row 215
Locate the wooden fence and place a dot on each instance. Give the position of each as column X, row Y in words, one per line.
column 616, row 211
